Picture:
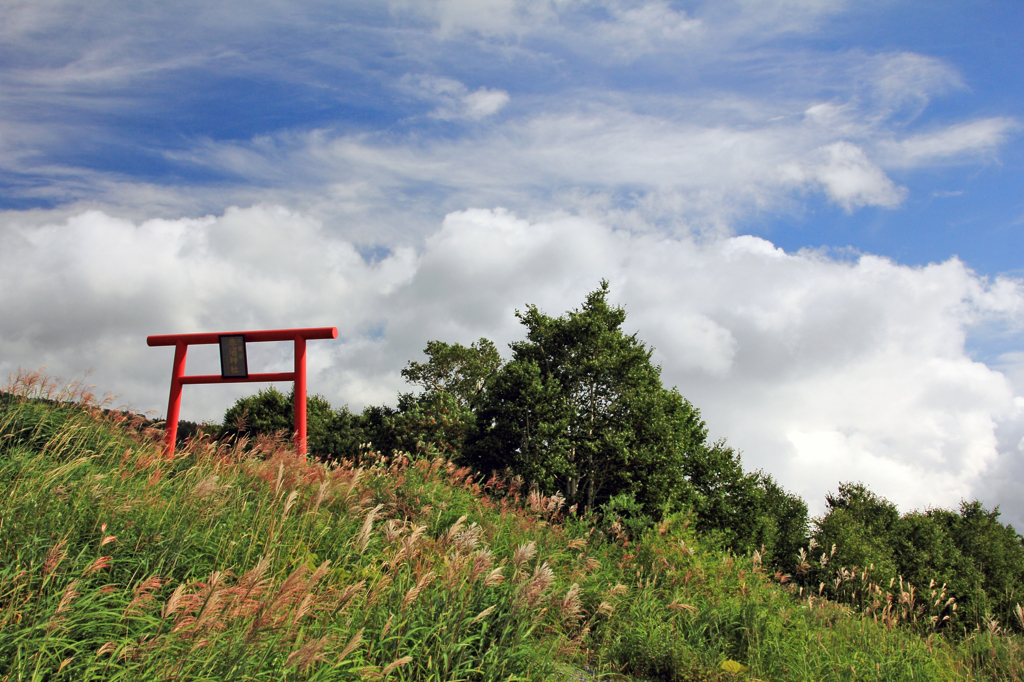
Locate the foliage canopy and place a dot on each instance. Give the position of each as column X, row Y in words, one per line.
column 978, row 559
column 580, row 409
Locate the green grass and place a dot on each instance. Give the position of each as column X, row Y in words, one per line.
column 232, row 563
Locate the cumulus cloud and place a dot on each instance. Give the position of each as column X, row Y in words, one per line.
column 820, row 370
column 97, row 282
column 483, row 102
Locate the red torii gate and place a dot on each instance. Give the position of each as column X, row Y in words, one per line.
column 234, row 369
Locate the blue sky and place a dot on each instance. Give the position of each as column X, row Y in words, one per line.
column 811, row 208
column 110, row 95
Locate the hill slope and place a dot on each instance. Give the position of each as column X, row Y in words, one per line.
column 255, row 564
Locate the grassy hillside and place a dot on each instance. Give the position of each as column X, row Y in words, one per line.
column 251, row 563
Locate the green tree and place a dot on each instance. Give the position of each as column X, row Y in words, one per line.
column 860, row 525
column 437, row 420
column 433, row 424
column 781, row 525
column 456, row 370
column 744, row 511
column 979, row 559
column 925, row 550
column 522, row 426
column 378, row 428
column 997, row 554
column 453, row 379
column 581, row 409
column 269, row 411
column 332, row 434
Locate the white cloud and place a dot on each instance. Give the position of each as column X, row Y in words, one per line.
column 954, row 143
column 483, row 102
column 903, row 83
column 702, row 169
column 758, row 20
column 92, row 282
column 670, row 161
column 690, row 172
column 852, row 180
column 635, row 30
column 489, row 17
column 627, row 27
column 641, row 142
column 454, row 100
column 820, row 370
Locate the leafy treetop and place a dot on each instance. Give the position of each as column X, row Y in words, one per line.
column 454, row 369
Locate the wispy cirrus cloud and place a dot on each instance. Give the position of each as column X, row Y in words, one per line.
column 717, row 154
column 720, row 160
column 958, row 143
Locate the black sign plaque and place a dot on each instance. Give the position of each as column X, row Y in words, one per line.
column 233, row 363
